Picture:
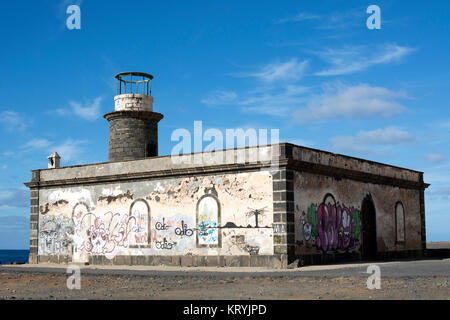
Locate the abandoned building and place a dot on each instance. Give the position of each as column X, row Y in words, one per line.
column 292, row 203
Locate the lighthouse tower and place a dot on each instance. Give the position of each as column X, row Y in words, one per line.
column 133, row 126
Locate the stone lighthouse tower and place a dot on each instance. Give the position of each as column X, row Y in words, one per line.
column 133, row 126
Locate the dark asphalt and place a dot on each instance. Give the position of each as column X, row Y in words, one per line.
column 416, row 268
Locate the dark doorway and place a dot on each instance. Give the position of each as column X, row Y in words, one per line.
column 369, row 229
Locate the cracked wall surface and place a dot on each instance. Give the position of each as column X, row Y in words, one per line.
column 159, row 217
column 328, row 215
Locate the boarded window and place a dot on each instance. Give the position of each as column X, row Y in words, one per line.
column 140, row 211
column 208, row 215
column 400, row 221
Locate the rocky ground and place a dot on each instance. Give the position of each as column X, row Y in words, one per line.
column 37, row 285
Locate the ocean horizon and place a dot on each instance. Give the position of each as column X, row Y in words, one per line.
column 11, row 256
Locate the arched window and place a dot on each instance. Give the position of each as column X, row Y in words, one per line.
column 140, row 233
column 208, row 222
column 400, row 222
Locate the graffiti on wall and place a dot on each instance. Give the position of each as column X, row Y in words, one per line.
column 140, row 211
column 165, row 244
column 172, row 231
column 105, row 234
column 333, row 226
column 162, row 216
column 256, row 213
column 208, row 221
column 55, row 235
column 183, row 230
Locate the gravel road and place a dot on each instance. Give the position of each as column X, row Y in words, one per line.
column 426, row 279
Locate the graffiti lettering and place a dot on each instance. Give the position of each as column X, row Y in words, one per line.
column 203, row 229
column 333, row 226
column 161, row 226
column 104, row 235
column 184, row 231
column 55, row 235
column 165, row 245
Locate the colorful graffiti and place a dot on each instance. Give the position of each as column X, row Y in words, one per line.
column 332, row 225
column 208, row 221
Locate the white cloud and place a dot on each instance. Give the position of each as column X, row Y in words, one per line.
column 444, row 124
column 266, row 100
column 351, row 102
column 364, row 141
column 7, row 153
column 441, row 193
column 301, row 16
column 353, row 59
column 69, row 150
column 278, row 103
column 435, row 158
column 14, row 198
column 291, row 70
column 37, row 143
column 220, row 97
column 89, row 112
column 12, row 121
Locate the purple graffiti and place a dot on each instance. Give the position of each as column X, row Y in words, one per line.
column 335, row 227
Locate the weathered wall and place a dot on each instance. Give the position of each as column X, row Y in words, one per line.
column 133, row 102
column 345, row 162
column 333, row 223
column 174, row 216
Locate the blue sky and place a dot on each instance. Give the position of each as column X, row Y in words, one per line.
column 309, row 68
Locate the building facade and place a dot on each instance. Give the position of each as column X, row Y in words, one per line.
column 265, row 206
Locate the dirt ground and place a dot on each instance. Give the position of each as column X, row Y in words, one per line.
column 34, row 285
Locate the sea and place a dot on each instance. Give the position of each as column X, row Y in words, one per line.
column 11, row 256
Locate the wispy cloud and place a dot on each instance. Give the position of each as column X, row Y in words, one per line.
column 351, row 102
column 291, row 70
column 90, row 112
column 13, row 121
column 435, row 158
column 301, row 16
column 220, row 97
column 267, row 100
column 69, row 149
column 353, row 59
column 364, row 141
column 13, row 223
column 441, row 193
column 275, row 102
column 13, row 198
column 37, row 143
